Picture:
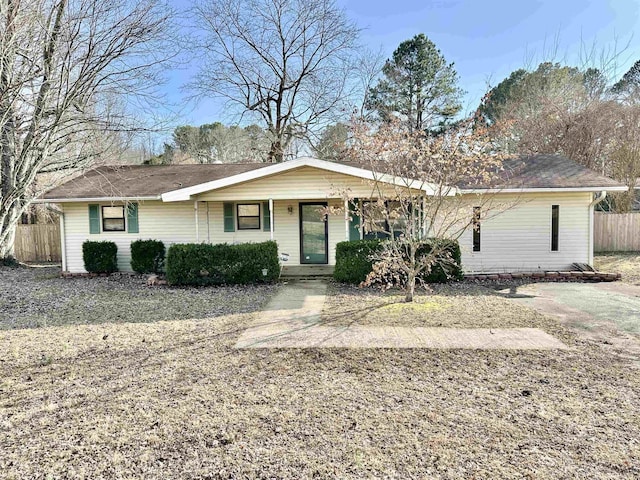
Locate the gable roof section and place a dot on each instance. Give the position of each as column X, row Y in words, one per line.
column 276, row 168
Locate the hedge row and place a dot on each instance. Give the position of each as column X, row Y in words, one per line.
column 204, row 264
column 353, row 261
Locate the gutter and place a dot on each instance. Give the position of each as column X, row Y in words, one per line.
column 543, row 190
column 96, row 199
column 599, row 198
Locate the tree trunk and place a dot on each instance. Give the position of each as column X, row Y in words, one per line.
column 276, row 153
column 410, row 288
column 7, row 237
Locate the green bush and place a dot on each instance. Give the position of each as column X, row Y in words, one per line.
column 147, row 256
column 100, row 257
column 9, row 261
column 353, row 262
column 222, row 264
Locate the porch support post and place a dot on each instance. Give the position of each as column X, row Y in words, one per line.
column 271, row 218
column 346, row 220
column 423, row 217
column 195, row 207
column 208, row 225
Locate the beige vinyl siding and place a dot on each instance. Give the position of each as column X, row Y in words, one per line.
column 175, row 223
column 301, row 183
column 286, row 228
column 169, row 222
column 516, row 239
column 519, row 238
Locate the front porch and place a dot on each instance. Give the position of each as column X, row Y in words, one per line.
column 306, row 229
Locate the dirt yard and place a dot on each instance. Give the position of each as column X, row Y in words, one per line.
column 626, row 263
column 175, row 400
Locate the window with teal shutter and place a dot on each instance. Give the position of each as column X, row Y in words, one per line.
column 354, row 222
column 94, row 219
column 132, row 218
column 229, row 221
column 266, row 217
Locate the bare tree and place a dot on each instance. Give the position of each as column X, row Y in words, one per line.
column 68, row 70
column 421, row 212
column 625, row 156
column 217, row 143
column 284, row 61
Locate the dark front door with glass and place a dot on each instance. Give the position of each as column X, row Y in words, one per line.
column 313, row 233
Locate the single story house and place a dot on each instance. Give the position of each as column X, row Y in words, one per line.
column 549, row 228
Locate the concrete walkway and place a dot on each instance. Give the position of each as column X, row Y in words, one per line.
column 292, row 320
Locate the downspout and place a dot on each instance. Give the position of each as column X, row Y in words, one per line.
column 599, row 198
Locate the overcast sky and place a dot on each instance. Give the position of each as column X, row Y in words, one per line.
column 487, row 39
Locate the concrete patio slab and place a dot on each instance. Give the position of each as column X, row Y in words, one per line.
column 293, row 320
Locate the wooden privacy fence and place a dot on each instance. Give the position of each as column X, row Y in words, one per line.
column 616, row 232
column 38, row 243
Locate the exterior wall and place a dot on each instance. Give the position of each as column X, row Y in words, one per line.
column 175, row 223
column 301, row 183
column 169, row 222
column 519, row 238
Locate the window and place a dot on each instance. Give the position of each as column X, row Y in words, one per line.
column 555, row 224
column 375, row 219
column 248, row 216
column 476, row 229
column 113, row 219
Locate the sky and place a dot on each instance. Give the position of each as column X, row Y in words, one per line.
column 486, row 39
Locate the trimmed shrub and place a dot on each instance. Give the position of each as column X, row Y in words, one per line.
column 9, row 261
column 222, row 264
column 353, row 262
column 147, row 256
column 100, row 257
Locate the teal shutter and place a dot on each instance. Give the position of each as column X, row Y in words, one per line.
column 132, row 218
column 354, row 222
column 229, row 220
column 94, row 219
column 266, row 217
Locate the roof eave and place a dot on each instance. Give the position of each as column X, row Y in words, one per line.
column 544, row 189
column 96, row 199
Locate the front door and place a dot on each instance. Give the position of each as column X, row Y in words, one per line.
column 313, row 233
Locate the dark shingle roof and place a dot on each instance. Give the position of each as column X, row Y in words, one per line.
column 546, row 171
column 132, row 181
column 135, row 181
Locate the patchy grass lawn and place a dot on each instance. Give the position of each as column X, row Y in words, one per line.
column 175, row 400
column 38, row 297
column 462, row 305
column 626, row 263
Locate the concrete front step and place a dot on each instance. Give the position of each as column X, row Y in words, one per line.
column 307, row 271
